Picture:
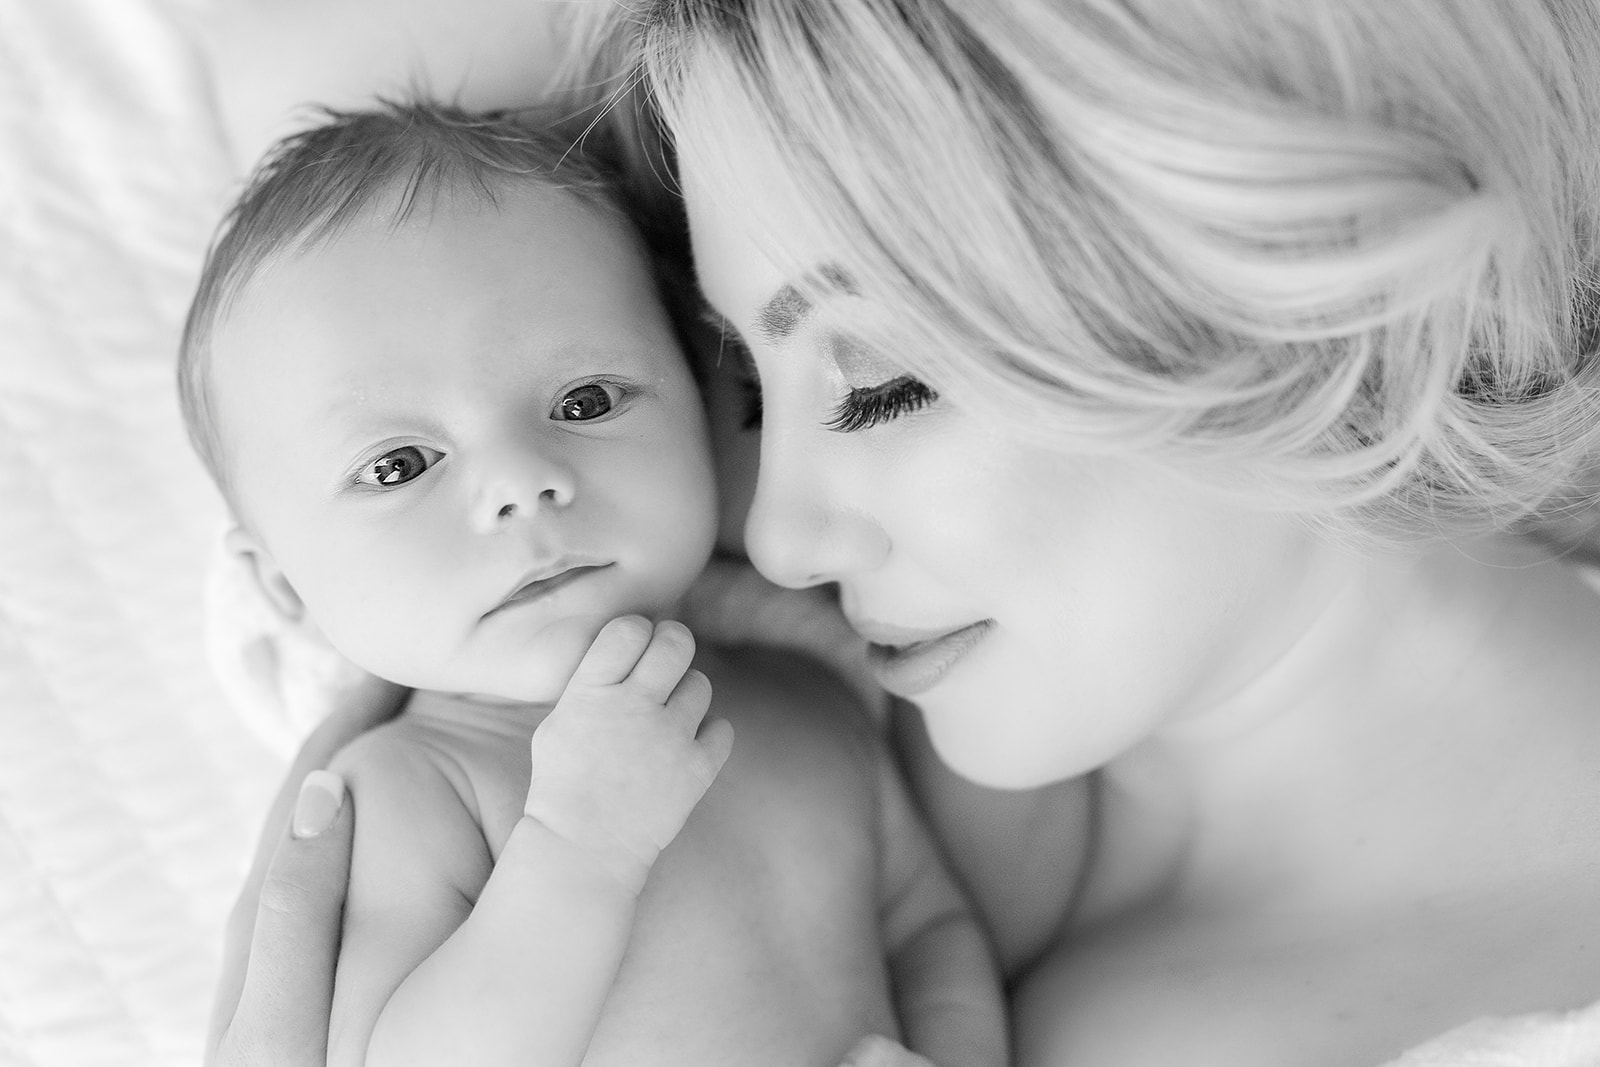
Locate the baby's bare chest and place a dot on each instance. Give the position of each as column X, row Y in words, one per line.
column 758, row 928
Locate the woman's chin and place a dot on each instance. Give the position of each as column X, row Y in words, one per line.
column 978, row 747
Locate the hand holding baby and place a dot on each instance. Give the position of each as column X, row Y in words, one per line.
column 622, row 759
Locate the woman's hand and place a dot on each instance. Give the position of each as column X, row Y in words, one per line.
column 282, row 940
column 275, row 1000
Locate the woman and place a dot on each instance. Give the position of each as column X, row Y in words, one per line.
column 1156, row 382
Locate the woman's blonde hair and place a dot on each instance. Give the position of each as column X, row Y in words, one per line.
column 1343, row 250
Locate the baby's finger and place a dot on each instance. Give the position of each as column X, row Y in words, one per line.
column 664, row 662
column 716, row 742
column 615, row 651
column 690, row 698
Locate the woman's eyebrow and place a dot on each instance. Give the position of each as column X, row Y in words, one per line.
column 786, row 310
column 782, row 314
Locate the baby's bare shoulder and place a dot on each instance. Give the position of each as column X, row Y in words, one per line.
column 409, row 760
column 416, row 808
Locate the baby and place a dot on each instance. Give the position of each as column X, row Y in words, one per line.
column 430, row 370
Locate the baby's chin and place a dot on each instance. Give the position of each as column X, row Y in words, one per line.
column 535, row 668
column 549, row 664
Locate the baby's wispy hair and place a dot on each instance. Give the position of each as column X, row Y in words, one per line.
column 397, row 156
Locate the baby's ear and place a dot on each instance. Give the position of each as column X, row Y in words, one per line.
column 271, row 580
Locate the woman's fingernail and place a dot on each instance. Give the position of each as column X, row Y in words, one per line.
column 321, row 797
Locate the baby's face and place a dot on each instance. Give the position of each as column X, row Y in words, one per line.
column 468, row 442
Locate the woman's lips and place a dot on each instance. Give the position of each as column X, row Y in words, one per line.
column 909, row 669
column 543, row 587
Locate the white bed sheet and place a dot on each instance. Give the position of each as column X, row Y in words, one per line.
column 129, row 793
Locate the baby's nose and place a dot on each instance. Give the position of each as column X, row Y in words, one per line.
column 550, row 497
column 525, row 490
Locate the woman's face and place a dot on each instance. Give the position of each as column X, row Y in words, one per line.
column 1045, row 611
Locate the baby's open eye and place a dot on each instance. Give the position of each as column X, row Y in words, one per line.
column 586, row 402
column 399, row 466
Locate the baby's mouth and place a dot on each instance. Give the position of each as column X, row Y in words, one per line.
column 539, row 588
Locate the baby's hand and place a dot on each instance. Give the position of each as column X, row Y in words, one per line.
column 622, row 759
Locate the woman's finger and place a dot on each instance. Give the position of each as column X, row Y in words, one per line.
column 280, row 1012
column 366, row 709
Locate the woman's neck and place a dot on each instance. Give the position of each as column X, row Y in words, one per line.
column 1359, row 764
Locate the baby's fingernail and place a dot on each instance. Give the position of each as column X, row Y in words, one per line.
column 321, row 797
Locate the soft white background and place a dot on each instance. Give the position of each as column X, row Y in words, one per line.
column 129, row 792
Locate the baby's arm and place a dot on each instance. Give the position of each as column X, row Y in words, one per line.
column 617, row 767
column 945, row 981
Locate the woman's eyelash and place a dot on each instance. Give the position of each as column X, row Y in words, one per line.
column 862, row 409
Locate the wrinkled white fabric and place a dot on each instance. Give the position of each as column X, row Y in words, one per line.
column 130, row 795
column 1551, row 1039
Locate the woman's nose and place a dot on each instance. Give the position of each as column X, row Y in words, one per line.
column 804, row 527
column 522, row 485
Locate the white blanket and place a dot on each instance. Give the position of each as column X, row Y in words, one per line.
column 1553, row 1039
column 129, row 793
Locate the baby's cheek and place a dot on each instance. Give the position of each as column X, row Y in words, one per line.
column 379, row 625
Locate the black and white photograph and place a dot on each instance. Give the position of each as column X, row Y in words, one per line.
column 800, row 533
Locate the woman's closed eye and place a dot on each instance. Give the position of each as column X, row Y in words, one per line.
column 862, row 408
column 398, row 466
column 877, row 390
column 869, row 406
